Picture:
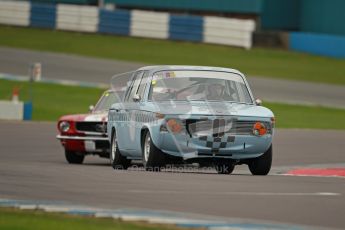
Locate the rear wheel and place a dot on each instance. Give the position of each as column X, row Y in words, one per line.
column 117, row 161
column 74, row 157
column 153, row 158
column 225, row 168
column 261, row 165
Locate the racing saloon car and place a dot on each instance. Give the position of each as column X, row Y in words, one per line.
column 83, row 134
column 192, row 114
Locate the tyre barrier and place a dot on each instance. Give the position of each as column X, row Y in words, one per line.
column 136, row 23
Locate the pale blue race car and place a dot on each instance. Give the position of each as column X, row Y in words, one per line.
column 191, row 114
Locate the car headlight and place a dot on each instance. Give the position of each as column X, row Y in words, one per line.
column 174, row 125
column 259, row 129
column 64, row 126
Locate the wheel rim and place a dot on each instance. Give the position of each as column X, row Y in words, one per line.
column 147, row 146
column 113, row 148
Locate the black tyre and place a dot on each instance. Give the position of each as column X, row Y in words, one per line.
column 153, row 158
column 117, row 161
column 225, row 168
column 74, row 157
column 261, row 165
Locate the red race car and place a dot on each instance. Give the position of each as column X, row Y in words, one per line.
column 84, row 134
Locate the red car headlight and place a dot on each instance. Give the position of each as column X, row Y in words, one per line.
column 64, row 126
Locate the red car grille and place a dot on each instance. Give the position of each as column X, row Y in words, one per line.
column 90, row 126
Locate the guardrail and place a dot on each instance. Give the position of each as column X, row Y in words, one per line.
column 15, row 110
column 137, row 23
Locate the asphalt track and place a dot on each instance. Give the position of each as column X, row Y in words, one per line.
column 32, row 166
column 72, row 67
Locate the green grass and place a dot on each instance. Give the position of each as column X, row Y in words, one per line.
column 311, row 117
column 275, row 63
column 12, row 219
column 51, row 101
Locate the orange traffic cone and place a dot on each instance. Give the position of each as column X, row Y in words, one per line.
column 15, row 95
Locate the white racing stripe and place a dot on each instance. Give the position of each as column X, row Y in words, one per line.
column 96, row 117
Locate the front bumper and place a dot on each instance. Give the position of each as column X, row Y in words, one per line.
column 228, row 146
column 81, row 138
column 85, row 144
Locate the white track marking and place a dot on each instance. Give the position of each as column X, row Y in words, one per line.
column 332, row 176
column 28, row 206
column 238, row 193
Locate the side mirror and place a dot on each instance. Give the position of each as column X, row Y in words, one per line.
column 136, row 97
column 91, row 108
column 258, row 102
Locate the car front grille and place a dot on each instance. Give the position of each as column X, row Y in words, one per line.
column 242, row 128
column 218, row 127
column 90, row 126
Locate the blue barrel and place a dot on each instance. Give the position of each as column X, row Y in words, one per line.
column 27, row 111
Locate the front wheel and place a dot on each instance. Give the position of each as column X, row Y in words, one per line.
column 262, row 164
column 74, row 157
column 153, row 158
column 117, row 161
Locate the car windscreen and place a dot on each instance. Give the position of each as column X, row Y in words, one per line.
column 107, row 99
column 198, row 86
column 120, row 82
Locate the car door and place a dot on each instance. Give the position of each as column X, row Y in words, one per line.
column 138, row 115
column 127, row 127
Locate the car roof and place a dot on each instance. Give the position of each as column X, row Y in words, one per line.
column 156, row 68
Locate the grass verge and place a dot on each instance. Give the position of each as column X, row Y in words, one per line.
column 258, row 61
column 33, row 220
column 307, row 117
column 52, row 101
